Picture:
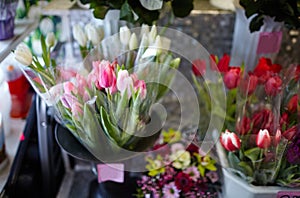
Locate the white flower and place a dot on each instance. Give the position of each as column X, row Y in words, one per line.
column 152, row 34
column 50, row 39
column 79, row 35
column 23, row 54
column 125, row 35
column 94, row 34
column 144, row 30
column 181, row 159
column 133, row 42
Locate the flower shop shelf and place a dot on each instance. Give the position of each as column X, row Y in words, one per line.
column 22, row 29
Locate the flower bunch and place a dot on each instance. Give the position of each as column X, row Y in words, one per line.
column 179, row 171
column 88, row 37
column 106, row 103
column 266, row 126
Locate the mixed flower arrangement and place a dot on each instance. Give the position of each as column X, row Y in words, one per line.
column 261, row 131
column 106, row 104
column 179, row 171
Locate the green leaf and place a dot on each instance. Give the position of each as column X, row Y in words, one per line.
column 247, row 168
column 45, row 54
column 233, row 161
column 253, row 154
column 100, row 11
column 182, row 8
column 126, row 13
column 110, row 129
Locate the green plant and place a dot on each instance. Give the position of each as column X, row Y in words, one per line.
column 142, row 11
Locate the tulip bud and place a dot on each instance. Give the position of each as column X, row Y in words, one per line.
column 232, row 77
column 273, row 86
column 199, row 67
column 277, row 137
column 23, row 54
column 50, row 39
column 152, row 34
column 106, row 75
column 133, row 42
column 93, row 34
column 263, row 139
column 124, row 82
column 290, row 133
column 140, row 85
column 144, row 30
column 79, row 35
column 230, row 141
column 125, row 35
column 292, row 105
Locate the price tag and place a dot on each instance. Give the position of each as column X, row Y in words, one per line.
column 269, row 42
column 110, row 172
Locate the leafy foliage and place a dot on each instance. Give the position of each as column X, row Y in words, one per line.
column 133, row 11
column 287, row 11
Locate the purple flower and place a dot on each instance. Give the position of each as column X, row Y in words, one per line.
column 213, row 176
column 170, row 191
column 293, row 152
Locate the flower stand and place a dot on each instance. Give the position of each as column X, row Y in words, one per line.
column 237, row 187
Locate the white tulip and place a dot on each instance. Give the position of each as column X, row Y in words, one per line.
column 133, row 42
column 158, row 44
column 144, row 30
column 23, row 54
column 125, row 35
column 50, row 39
column 93, row 34
column 79, row 35
column 166, row 43
column 152, row 34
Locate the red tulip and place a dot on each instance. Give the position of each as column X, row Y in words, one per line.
column 290, row 133
column 265, row 69
column 262, row 120
column 230, row 141
column 232, row 77
column 243, row 126
column 273, row 86
column 292, row 104
column 263, row 139
column 223, row 64
column 249, row 84
column 199, row 67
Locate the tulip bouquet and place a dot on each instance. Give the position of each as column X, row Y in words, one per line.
column 178, row 171
column 106, row 103
column 263, row 145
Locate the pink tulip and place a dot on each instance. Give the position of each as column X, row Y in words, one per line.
column 76, row 109
column 124, row 82
column 277, row 137
column 263, row 139
column 69, row 88
column 68, row 100
column 140, row 86
column 230, row 141
column 106, row 74
column 273, row 86
column 232, row 77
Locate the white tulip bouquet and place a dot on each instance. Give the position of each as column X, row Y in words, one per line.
column 106, row 103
